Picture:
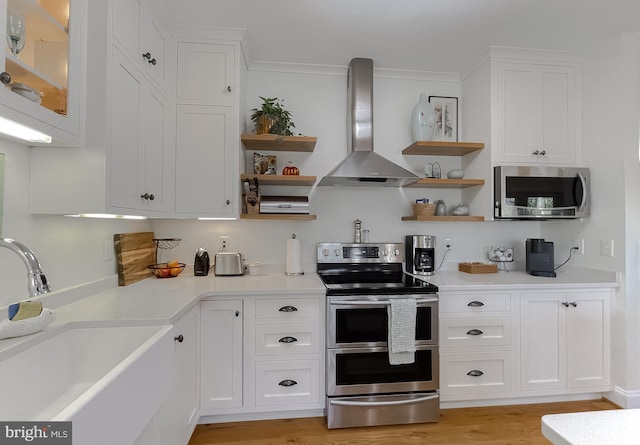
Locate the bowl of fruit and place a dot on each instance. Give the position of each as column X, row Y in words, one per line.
column 167, row 270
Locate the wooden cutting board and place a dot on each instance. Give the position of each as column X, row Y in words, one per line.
column 135, row 253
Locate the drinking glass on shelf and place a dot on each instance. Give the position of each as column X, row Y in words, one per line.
column 15, row 31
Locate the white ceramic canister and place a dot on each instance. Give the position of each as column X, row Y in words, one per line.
column 423, row 120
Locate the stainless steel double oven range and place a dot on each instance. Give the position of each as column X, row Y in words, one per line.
column 363, row 388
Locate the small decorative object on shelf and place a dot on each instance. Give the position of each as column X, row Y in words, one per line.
column 272, row 117
column 460, row 210
column 264, row 164
column 423, row 119
column 441, row 208
column 291, row 170
column 501, row 255
column 446, row 120
column 456, row 173
column 432, row 170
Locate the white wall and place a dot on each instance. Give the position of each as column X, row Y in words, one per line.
column 70, row 250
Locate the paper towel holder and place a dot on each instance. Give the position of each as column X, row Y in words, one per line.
column 293, row 236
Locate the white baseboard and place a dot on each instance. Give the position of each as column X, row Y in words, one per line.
column 520, row 400
column 271, row 415
column 624, row 398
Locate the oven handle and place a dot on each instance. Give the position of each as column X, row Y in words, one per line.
column 377, row 302
column 396, row 402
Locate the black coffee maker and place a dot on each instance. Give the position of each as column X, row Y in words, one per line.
column 539, row 257
column 201, row 264
column 420, row 254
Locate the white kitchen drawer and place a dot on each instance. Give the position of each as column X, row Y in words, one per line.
column 475, row 373
column 287, row 382
column 285, row 309
column 470, row 332
column 287, row 338
column 474, row 303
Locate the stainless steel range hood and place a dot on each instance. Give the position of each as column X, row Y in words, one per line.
column 362, row 167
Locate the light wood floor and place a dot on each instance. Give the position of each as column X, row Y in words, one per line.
column 503, row 425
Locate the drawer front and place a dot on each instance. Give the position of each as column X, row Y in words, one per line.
column 475, row 373
column 287, row 382
column 469, row 332
column 286, row 309
column 288, row 339
column 475, row 303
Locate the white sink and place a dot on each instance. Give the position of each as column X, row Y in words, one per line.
column 108, row 381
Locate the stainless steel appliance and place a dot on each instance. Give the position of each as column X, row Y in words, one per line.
column 420, row 254
column 363, row 388
column 539, row 257
column 228, row 263
column 541, row 192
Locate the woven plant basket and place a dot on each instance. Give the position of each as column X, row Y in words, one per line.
column 424, row 209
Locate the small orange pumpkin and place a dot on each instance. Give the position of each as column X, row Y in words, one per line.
column 290, row 170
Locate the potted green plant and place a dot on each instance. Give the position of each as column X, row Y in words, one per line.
column 272, row 117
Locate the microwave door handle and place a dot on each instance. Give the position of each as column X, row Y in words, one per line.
column 583, row 182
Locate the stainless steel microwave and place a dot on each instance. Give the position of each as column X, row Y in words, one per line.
column 541, row 192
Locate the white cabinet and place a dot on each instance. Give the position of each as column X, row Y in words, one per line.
column 141, row 36
column 179, row 412
column 52, row 63
column 537, row 113
column 139, row 143
column 205, row 168
column 477, row 344
column 565, row 340
column 221, row 355
column 207, row 145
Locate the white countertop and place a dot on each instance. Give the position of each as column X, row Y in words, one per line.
column 615, row 427
column 155, row 301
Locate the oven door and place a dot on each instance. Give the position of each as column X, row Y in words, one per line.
column 367, row 371
column 362, row 321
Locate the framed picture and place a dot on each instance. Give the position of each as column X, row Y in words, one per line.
column 446, row 109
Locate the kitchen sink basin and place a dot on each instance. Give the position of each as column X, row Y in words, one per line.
column 108, row 381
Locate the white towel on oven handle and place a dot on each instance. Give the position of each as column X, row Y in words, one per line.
column 402, row 330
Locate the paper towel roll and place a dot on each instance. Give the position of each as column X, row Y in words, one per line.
column 294, row 257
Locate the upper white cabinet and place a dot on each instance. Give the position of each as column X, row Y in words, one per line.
column 46, row 55
column 207, row 130
column 537, row 113
column 142, row 38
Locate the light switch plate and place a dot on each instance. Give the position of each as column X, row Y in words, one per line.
column 606, row 247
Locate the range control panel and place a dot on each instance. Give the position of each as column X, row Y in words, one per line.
column 360, row 253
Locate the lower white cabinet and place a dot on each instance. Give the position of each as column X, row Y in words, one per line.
column 565, row 340
column 221, row 355
column 272, row 360
column 179, row 413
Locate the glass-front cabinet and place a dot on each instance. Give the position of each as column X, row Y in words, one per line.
column 42, row 66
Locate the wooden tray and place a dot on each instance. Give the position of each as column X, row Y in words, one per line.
column 477, row 268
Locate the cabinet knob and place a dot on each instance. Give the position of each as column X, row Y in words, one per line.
column 5, row 78
column 228, row 202
column 288, row 339
column 153, row 61
column 573, row 304
column 179, row 338
column 288, row 382
column 237, row 313
column 147, row 55
column 475, row 303
column 474, row 332
column 288, row 309
column 543, row 152
column 475, row 373
column 536, row 153
column 148, row 196
column 229, row 88
column 565, row 304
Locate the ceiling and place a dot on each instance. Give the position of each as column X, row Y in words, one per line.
column 423, row 35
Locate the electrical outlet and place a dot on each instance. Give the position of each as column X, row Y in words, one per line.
column 448, row 243
column 225, row 241
column 606, row 247
column 579, row 243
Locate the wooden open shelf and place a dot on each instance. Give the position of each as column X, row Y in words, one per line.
column 446, row 183
column 274, row 216
column 443, row 218
column 290, row 180
column 273, row 142
column 437, row 148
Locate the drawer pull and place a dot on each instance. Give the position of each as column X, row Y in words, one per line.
column 475, row 303
column 474, row 332
column 288, row 309
column 288, row 382
column 475, row 373
column 288, row 339
column 179, row 338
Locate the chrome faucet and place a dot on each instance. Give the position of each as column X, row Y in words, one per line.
column 37, row 280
